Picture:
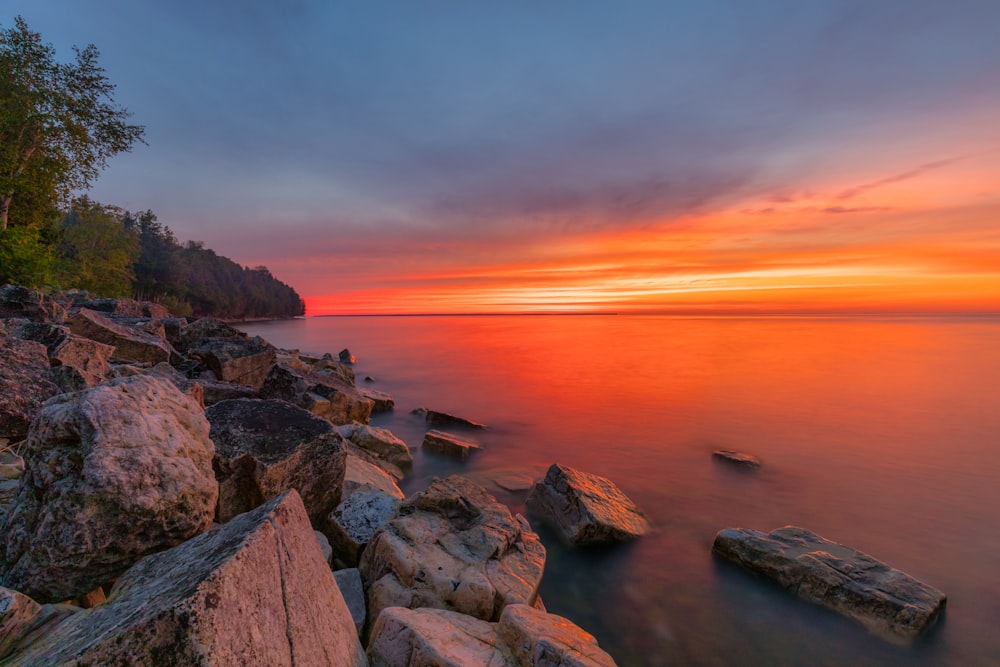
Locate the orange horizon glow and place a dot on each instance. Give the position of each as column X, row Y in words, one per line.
column 923, row 241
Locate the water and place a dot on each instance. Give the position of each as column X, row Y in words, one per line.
column 879, row 433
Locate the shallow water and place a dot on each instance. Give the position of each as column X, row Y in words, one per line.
column 881, row 434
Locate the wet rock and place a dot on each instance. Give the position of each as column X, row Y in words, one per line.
column 16, row 301
column 524, row 637
column 252, row 592
column 25, row 383
column 381, row 401
column 440, row 442
column 435, row 418
column 585, row 509
column 265, row 447
column 736, row 458
column 347, row 358
column 369, row 498
column 452, row 546
column 327, row 396
column 380, row 442
column 130, row 343
column 349, row 583
column 112, row 474
column 886, row 601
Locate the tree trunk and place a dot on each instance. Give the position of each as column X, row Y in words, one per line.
column 4, row 210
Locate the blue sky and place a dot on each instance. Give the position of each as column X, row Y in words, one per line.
column 298, row 134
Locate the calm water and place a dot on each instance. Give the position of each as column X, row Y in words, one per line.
column 882, row 434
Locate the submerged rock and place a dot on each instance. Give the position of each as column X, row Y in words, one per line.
column 253, row 592
column 435, row 418
column 885, row 600
column 112, row 474
column 524, row 637
column 736, row 458
column 453, row 546
column 585, row 509
column 447, row 444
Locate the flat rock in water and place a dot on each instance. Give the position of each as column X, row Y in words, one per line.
column 886, row 601
column 453, row 546
column 252, row 592
column 447, row 444
column 736, row 458
column 585, row 509
column 435, row 418
column 524, row 637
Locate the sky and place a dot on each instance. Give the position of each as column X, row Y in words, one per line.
column 706, row 156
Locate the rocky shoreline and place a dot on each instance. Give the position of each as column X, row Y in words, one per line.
column 178, row 492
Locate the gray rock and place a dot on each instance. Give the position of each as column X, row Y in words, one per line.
column 130, row 343
column 524, row 637
column 886, row 601
column 252, row 592
column 349, row 583
column 585, row 509
column 113, row 473
column 440, row 442
column 16, row 301
column 347, row 358
column 265, row 447
column 452, row 546
column 324, row 546
column 369, row 498
column 25, row 383
column 325, row 395
column 435, row 418
column 380, row 442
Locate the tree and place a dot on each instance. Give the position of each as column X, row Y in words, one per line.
column 97, row 250
column 59, row 124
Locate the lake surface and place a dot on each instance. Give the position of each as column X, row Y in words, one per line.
column 882, row 434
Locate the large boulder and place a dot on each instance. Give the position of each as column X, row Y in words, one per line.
column 88, row 359
column 453, row 546
column 265, row 447
column 16, row 301
column 325, row 395
column 886, row 601
column 585, row 509
column 131, row 343
column 369, row 498
column 253, row 592
column 230, row 354
column 380, row 442
column 25, row 383
column 524, row 637
column 113, row 473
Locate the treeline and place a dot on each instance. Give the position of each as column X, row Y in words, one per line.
column 59, row 125
column 113, row 252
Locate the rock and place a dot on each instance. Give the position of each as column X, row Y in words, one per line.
column 380, row 442
column 347, row 358
column 327, row 396
column 88, row 358
column 265, row 447
column 18, row 613
column 113, row 473
column 255, row 591
column 585, row 509
column 524, row 637
column 25, row 383
column 92, row 599
column 369, row 498
column 131, row 344
column 324, row 546
column 192, row 388
column 11, row 465
column 16, row 301
column 452, row 546
column 349, row 583
column 115, row 306
column 236, row 360
column 435, row 418
column 369, row 378
column 736, row 458
column 381, row 401
column 886, row 601
column 447, row 444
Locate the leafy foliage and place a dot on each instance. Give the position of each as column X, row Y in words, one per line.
column 96, row 252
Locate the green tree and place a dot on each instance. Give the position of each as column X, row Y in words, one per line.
column 59, row 124
column 97, row 250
